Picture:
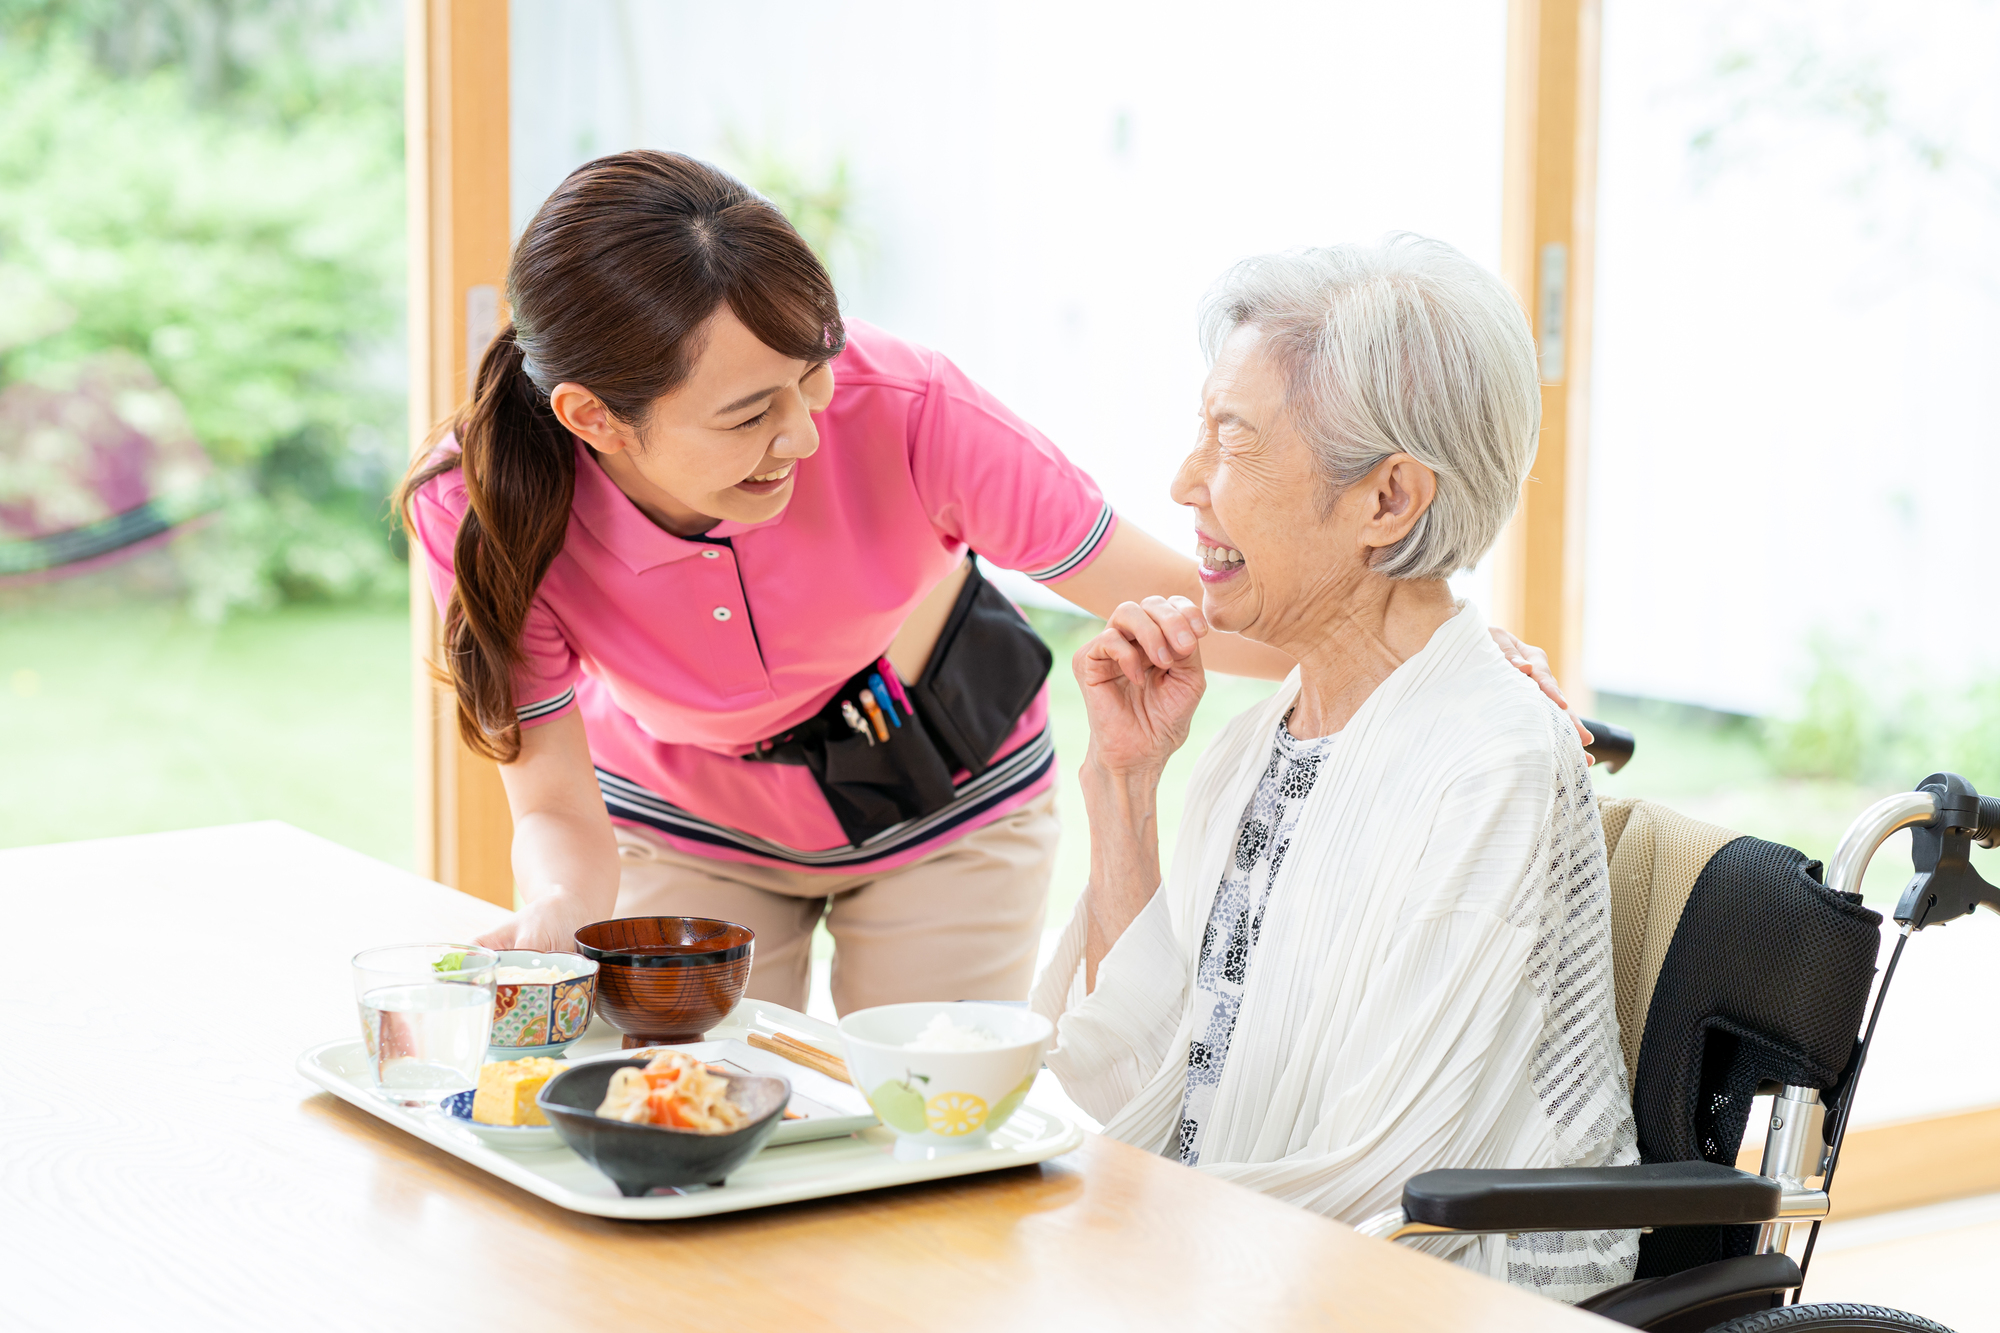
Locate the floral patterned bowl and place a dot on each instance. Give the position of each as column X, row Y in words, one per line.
column 541, row 1017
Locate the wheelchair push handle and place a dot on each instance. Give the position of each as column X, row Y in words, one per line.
column 1961, row 810
column 1612, row 747
column 1987, row 834
column 1944, row 886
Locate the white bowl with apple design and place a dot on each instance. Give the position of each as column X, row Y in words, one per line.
column 944, row 1099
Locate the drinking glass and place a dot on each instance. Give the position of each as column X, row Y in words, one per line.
column 426, row 1014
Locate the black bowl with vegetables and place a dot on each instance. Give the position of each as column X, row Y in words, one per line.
column 641, row 1158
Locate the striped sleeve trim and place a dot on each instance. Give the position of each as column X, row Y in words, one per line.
column 1098, row 531
column 530, row 712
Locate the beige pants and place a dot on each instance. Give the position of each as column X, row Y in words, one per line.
column 963, row 923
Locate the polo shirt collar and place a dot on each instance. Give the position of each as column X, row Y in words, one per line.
column 622, row 528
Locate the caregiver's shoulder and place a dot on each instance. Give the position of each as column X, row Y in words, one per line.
column 876, row 358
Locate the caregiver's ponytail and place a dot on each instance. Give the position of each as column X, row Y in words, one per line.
column 520, row 473
column 609, row 285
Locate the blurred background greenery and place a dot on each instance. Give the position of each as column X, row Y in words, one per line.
column 215, row 187
column 212, row 190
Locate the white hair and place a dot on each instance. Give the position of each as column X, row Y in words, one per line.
column 1403, row 347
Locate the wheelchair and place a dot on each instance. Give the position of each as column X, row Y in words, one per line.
column 1711, row 1015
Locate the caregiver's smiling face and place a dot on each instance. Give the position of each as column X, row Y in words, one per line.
column 1269, row 554
column 725, row 445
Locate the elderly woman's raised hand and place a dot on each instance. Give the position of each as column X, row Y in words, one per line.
column 1142, row 678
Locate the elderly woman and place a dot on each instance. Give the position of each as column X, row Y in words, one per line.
column 1384, row 944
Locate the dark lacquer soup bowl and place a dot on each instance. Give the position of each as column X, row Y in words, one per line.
column 666, row 980
column 641, row 1158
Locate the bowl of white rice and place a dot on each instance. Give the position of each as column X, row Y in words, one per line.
column 944, row 1074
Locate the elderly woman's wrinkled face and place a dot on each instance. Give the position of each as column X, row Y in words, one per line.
column 1277, row 561
column 1260, row 532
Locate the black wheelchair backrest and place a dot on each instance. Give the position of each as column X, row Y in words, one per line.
column 1747, row 973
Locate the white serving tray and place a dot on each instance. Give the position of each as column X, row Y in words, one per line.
column 866, row 1160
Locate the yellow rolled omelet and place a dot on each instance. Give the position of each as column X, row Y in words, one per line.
column 507, row 1089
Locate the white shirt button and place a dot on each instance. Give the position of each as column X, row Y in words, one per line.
column 711, row 555
column 721, row 613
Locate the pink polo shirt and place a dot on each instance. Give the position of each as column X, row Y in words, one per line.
column 682, row 654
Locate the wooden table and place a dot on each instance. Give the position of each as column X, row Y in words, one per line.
column 163, row 1166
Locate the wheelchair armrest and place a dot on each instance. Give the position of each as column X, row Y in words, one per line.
column 1607, row 1198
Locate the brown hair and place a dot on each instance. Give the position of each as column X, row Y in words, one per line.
column 610, row 286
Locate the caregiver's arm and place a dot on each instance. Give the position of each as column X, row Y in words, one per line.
column 1139, row 715
column 1135, row 565
column 565, row 857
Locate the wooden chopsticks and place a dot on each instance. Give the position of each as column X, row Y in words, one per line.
column 812, row 1057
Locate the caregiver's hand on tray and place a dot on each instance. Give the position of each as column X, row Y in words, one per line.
column 548, row 924
column 565, row 857
column 1142, row 679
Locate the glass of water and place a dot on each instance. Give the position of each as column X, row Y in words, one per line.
column 426, row 1014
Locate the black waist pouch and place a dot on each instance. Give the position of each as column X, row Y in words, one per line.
column 982, row 676
column 985, row 671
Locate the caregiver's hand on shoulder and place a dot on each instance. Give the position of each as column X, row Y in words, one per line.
column 1141, row 679
column 1533, row 663
column 547, row 925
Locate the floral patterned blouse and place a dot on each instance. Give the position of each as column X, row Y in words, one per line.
column 1226, row 945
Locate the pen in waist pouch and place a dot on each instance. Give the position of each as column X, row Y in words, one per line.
column 874, row 711
column 888, row 673
column 853, row 716
column 882, row 697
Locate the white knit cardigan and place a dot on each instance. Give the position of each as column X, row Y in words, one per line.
column 1432, row 983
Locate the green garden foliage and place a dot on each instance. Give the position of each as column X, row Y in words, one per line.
column 1853, row 725
column 216, row 188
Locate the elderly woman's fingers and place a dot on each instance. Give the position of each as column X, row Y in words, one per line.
column 1179, row 619
column 1167, row 628
column 1138, row 712
column 1109, row 655
column 1136, row 623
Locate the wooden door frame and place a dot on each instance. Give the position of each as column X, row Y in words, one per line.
column 1548, row 255
column 1548, row 245
column 456, row 142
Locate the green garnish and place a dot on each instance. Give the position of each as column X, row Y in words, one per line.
column 451, row 962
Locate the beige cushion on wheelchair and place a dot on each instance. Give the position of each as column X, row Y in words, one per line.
column 1656, row 856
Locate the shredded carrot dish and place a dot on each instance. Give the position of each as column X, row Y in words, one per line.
column 676, row 1090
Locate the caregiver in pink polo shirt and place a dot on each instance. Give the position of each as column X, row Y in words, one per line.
column 698, row 540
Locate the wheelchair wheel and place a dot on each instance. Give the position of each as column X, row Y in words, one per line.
column 1834, row 1318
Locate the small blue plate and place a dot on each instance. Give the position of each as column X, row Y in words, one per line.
column 513, row 1138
